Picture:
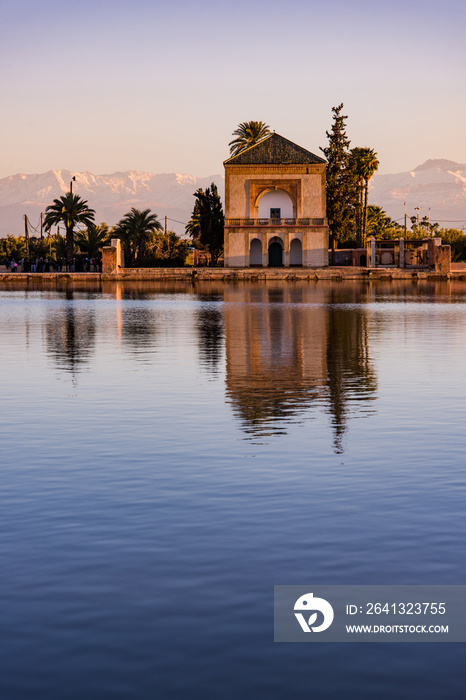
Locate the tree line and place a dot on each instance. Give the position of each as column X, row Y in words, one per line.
column 142, row 238
column 351, row 219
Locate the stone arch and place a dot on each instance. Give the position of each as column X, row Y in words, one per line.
column 255, row 253
column 296, row 253
column 275, row 252
column 276, row 199
column 259, row 188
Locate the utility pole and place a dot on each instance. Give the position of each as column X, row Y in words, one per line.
column 73, row 179
column 165, row 225
column 406, row 229
column 26, row 232
column 41, row 226
column 417, row 209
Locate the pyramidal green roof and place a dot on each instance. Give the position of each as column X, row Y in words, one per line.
column 275, row 150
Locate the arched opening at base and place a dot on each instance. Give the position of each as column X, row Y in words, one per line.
column 296, row 253
column 255, row 253
column 276, row 253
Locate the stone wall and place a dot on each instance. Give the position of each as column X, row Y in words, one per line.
column 443, row 259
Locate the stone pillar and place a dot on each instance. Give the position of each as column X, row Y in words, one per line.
column 402, row 252
column 109, row 260
column 371, row 252
column 116, row 243
column 286, row 249
column 442, row 259
column 265, row 250
column 111, row 257
column 428, row 244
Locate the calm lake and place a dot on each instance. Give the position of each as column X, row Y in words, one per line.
column 170, row 453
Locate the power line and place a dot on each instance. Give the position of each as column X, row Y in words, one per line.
column 443, row 221
column 176, row 221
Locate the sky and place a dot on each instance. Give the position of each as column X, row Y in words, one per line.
column 106, row 85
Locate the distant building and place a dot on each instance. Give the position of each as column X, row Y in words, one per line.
column 275, row 206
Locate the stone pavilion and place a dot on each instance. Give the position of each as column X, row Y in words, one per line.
column 275, row 206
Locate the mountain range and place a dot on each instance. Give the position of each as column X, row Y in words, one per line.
column 111, row 196
column 438, row 187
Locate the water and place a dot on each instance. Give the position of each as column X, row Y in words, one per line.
column 170, row 453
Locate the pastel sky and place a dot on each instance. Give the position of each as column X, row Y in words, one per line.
column 112, row 85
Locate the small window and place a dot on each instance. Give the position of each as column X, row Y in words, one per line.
column 275, row 214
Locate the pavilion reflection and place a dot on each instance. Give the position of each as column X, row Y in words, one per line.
column 291, row 349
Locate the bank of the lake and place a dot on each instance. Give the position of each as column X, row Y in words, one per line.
column 231, row 274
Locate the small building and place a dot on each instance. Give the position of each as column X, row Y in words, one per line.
column 400, row 252
column 275, row 206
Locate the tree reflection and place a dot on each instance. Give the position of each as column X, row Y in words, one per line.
column 291, row 349
column 70, row 336
column 211, row 331
column 138, row 329
column 351, row 378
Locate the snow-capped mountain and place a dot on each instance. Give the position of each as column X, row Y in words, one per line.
column 112, row 196
column 437, row 186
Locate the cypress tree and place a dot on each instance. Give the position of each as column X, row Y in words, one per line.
column 207, row 222
column 340, row 186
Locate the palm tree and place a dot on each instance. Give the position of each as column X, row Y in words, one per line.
column 248, row 134
column 71, row 210
column 93, row 239
column 135, row 230
column 364, row 163
column 381, row 225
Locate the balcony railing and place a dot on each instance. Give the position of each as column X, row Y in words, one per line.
column 275, row 222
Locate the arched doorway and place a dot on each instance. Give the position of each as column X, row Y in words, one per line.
column 363, row 260
column 255, row 253
column 276, row 253
column 296, row 253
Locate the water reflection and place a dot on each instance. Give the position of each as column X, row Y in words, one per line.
column 287, row 350
column 291, row 349
column 211, row 331
column 70, row 335
column 138, row 330
column 351, row 378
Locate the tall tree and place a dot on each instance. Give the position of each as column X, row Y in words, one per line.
column 71, row 210
column 207, row 222
column 248, row 134
column 136, row 230
column 340, row 187
column 363, row 163
column 91, row 241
